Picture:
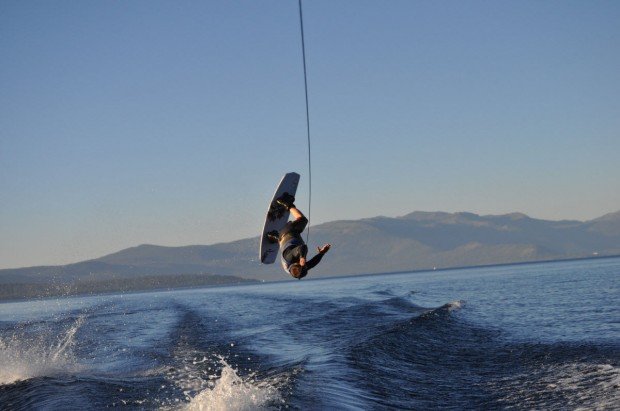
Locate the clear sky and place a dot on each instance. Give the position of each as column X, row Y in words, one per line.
column 166, row 122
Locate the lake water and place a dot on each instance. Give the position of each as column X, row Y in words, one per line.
column 535, row 336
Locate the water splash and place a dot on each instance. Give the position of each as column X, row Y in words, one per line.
column 23, row 356
column 231, row 392
column 209, row 382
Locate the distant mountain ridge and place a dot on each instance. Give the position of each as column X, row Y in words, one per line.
column 416, row 241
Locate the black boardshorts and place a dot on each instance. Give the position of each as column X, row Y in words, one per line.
column 294, row 253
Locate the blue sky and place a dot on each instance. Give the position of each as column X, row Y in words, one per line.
column 171, row 122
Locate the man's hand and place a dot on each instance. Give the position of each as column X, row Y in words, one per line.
column 324, row 249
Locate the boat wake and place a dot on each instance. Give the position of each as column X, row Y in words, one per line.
column 258, row 348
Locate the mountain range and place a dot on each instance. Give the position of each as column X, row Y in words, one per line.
column 416, row 241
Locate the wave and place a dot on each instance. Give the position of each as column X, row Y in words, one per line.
column 437, row 359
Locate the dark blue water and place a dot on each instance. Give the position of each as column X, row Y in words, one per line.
column 538, row 336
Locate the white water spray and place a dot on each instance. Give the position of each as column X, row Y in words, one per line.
column 23, row 357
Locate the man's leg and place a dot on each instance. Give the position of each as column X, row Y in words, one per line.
column 300, row 220
column 296, row 213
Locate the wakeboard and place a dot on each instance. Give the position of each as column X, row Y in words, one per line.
column 276, row 219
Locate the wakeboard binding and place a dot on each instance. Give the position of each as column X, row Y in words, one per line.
column 280, row 206
column 286, row 200
column 273, row 236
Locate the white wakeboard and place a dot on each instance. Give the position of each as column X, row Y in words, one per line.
column 276, row 219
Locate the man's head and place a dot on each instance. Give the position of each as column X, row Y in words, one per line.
column 298, row 271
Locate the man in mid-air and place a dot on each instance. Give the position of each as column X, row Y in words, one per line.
column 292, row 246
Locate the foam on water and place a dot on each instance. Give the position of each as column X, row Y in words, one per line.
column 579, row 385
column 454, row 305
column 587, row 385
column 48, row 353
